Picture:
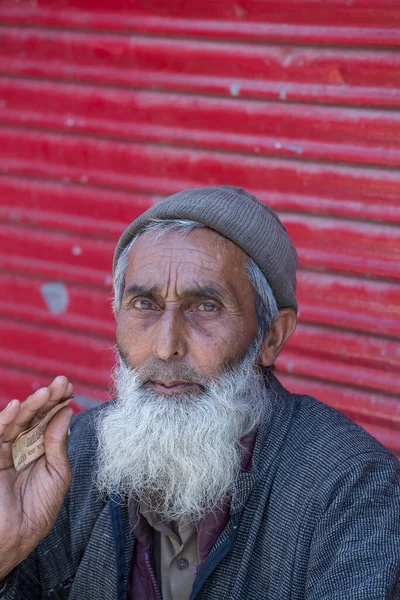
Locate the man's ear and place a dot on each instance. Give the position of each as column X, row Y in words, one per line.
column 278, row 335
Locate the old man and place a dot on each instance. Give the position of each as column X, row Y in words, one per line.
column 204, row 478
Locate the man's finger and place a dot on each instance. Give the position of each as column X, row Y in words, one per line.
column 56, row 443
column 29, row 410
column 60, row 389
column 58, row 386
column 39, row 403
column 7, row 417
column 6, row 459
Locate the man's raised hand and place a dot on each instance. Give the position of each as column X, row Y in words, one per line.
column 31, row 499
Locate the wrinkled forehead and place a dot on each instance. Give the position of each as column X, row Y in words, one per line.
column 202, row 254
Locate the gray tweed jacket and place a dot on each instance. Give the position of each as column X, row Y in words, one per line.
column 317, row 518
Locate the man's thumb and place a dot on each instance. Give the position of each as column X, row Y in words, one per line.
column 56, row 438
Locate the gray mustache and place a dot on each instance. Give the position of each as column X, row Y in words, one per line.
column 172, row 370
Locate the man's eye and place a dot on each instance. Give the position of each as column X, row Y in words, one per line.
column 207, row 307
column 144, row 304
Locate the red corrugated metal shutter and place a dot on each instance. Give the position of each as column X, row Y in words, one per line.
column 105, row 110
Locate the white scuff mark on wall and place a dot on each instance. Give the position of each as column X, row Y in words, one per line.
column 56, row 297
column 287, row 60
column 282, row 93
column 234, row 89
column 297, row 149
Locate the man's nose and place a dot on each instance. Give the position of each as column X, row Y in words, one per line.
column 169, row 335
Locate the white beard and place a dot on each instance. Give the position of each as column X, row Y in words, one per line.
column 179, row 455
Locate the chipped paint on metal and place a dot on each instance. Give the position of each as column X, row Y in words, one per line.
column 234, row 89
column 293, row 148
column 282, row 93
column 56, row 297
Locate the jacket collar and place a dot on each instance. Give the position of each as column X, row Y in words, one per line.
column 270, row 437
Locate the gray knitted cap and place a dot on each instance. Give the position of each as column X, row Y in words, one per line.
column 241, row 218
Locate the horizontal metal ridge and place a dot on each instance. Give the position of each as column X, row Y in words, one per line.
column 349, row 303
column 86, row 359
column 332, row 22
column 313, row 75
column 105, row 211
column 164, row 170
column 20, row 383
column 340, row 372
column 358, row 136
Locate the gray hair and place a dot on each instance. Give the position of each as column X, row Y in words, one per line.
column 265, row 302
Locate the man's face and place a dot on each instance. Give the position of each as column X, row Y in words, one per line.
column 188, row 310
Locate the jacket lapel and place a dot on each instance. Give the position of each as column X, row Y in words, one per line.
column 270, row 436
column 105, row 557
